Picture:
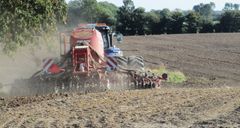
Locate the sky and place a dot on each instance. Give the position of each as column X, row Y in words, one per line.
column 172, row 4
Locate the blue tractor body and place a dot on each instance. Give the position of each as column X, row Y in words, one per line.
column 110, row 49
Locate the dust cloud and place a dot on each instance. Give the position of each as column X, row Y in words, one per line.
column 26, row 61
column 5, row 90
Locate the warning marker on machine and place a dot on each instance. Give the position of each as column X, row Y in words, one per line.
column 111, row 62
column 47, row 63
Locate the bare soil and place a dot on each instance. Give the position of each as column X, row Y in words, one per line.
column 207, row 59
column 213, row 107
column 210, row 97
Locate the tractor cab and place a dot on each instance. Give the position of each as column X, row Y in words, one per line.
column 106, row 35
column 109, row 48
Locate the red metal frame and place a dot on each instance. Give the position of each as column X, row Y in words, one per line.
column 81, row 56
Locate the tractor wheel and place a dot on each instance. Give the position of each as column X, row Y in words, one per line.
column 135, row 63
column 122, row 62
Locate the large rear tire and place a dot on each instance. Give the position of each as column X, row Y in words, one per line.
column 122, row 62
column 136, row 63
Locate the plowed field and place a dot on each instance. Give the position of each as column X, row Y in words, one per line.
column 213, row 107
column 208, row 59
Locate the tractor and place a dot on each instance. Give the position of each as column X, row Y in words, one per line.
column 90, row 62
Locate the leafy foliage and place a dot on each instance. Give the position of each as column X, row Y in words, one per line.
column 91, row 11
column 165, row 16
column 192, row 21
column 231, row 6
column 205, row 10
column 81, row 9
column 176, row 23
column 151, row 22
column 230, row 21
column 107, row 13
column 132, row 21
column 126, row 18
column 22, row 20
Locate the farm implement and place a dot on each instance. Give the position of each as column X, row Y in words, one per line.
column 90, row 62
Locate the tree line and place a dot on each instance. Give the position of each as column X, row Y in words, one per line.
column 24, row 21
column 130, row 20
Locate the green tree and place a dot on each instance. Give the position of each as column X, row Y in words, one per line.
column 205, row 10
column 131, row 20
column 107, row 13
column 231, row 6
column 192, row 21
column 165, row 19
column 89, row 10
column 152, row 20
column 125, row 18
column 176, row 24
column 206, row 16
column 82, row 10
column 207, row 27
column 138, row 22
column 129, row 5
column 165, row 13
column 236, row 6
column 74, row 12
column 21, row 21
column 230, row 21
column 228, row 6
